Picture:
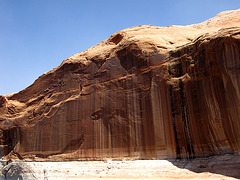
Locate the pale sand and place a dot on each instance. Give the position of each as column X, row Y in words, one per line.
column 216, row 167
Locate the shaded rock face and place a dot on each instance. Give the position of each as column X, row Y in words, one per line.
column 146, row 92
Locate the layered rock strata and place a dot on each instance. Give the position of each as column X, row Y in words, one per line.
column 146, row 92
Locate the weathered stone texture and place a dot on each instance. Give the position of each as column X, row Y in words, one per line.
column 146, row 92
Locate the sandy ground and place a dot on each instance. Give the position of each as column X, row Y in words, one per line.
column 217, row 167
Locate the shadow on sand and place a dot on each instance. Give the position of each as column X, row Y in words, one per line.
column 227, row 165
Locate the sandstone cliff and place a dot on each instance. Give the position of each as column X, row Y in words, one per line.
column 146, row 92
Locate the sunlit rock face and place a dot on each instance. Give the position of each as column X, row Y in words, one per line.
column 146, row 92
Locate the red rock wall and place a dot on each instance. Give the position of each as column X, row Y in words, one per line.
column 205, row 104
column 187, row 105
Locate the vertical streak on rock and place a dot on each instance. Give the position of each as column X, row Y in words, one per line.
column 132, row 112
column 134, row 115
column 148, row 123
column 157, row 109
column 185, row 121
column 171, row 93
column 143, row 143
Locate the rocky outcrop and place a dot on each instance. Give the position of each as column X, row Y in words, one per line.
column 146, row 92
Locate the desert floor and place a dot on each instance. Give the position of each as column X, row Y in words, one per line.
column 216, row 167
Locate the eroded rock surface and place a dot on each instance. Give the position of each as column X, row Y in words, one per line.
column 146, row 92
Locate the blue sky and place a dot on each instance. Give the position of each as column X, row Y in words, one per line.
column 37, row 35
